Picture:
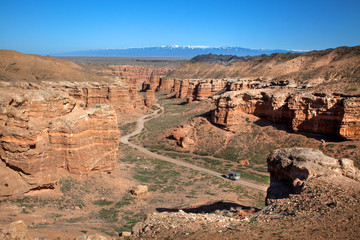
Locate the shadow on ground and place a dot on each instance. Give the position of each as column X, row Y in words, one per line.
column 209, row 208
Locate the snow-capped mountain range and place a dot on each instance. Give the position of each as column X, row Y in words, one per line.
column 175, row 51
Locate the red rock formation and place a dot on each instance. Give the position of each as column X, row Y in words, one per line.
column 138, row 74
column 304, row 112
column 209, row 87
column 44, row 131
column 244, row 162
column 152, row 83
column 197, row 89
column 166, row 84
column 121, row 96
column 180, row 134
column 350, row 124
column 184, row 86
column 176, row 88
column 150, row 98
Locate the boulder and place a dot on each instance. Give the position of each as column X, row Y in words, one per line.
column 185, row 142
column 140, row 190
column 244, row 162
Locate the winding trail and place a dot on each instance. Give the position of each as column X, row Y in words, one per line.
column 139, row 128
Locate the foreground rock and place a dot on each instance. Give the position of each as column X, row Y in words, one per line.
column 321, row 201
column 290, row 168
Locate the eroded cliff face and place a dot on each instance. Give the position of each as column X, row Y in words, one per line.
column 121, row 96
column 139, row 74
column 201, row 89
column 118, row 93
column 331, row 115
column 189, row 89
column 44, row 132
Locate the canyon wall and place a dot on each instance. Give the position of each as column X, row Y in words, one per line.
column 189, row 89
column 121, row 96
column 136, row 73
column 305, row 112
column 50, row 127
column 201, row 89
column 57, row 118
column 43, row 132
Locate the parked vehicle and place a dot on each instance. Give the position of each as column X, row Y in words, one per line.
column 232, row 175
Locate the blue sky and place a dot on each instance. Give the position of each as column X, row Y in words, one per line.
column 53, row 26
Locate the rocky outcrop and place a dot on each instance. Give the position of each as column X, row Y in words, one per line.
column 16, row 231
column 43, row 132
column 140, row 190
column 121, row 96
column 181, row 135
column 194, row 89
column 166, row 84
column 152, row 83
column 305, row 112
column 244, row 162
column 150, row 87
column 150, row 98
column 290, row 168
column 137, row 75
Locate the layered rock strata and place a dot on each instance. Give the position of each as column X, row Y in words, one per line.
column 122, row 96
column 43, row 132
column 193, row 89
column 150, row 98
column 152, row 83
column 166, row 84
column 304, row 112
column 138, row 72
column 150, row 87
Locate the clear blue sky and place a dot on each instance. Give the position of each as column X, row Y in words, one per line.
column 52, row 26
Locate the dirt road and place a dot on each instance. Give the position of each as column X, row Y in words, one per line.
column 139, row 128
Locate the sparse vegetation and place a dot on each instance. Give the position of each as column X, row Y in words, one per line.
column 109, row 215
column 102, row 202
column 127, row 128
column 66, row 184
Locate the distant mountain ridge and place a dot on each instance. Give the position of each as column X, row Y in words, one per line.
column 174, row 51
